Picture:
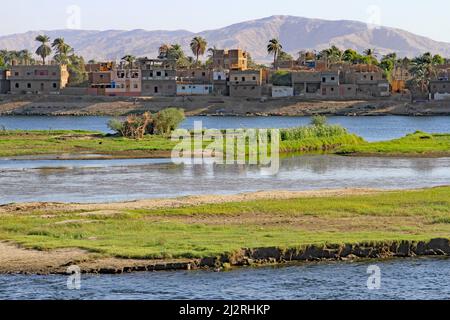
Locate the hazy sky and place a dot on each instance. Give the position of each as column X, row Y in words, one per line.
column 198, row 15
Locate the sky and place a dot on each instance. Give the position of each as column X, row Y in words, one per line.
column 199, row 15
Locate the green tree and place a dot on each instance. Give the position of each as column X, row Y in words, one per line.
column 44, row 50
column 63, row 50
column 281, row 78
column 284, row 56
column 319, row 121
column 332, row 54
column 168, row 120
column 274, row 48
column 77, row 72
column 25, row 57
column 438, row 60
column 388, row 63
column 129, row 59
column 369, row 57
column 198, row 47
column 423, row 70
column 350, row 56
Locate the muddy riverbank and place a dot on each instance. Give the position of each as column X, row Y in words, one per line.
column 292, row 106
column 16, row 260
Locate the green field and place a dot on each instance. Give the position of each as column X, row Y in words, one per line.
column 28, row 143
column 210, row 230
column 416, row 144
column 22, row 143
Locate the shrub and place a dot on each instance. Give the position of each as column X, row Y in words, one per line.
column 168, row 120
column 313, row 131
column 136, row 127
column 319, row 121
column 116, row 125
column 281, row 78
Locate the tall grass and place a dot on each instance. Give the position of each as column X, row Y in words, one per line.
column 308, row 132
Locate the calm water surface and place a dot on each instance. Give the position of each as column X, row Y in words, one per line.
column 370, row 128
column 120, row 180
column 426, row 279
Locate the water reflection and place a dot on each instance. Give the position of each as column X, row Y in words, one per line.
column 120, row 180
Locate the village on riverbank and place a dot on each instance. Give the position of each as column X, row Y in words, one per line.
column 227, row 82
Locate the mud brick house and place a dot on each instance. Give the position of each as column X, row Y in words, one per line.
column 38, row 79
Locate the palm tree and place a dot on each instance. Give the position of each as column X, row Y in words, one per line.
column 198, row 47
column 274, row 47
column 423, row 69
column 370, row 55
column 332, row 54
column 211, row 51
column 130, row 59
column 63, row 50
column 369, row 52
column 25, row 57
column 13, row 57
column 44, row 49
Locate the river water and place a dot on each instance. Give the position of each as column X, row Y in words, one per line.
column 370, row 128
column 119, row 180
column 123, row 180
column 425, row 279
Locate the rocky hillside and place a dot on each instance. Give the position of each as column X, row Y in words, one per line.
column 295, row 33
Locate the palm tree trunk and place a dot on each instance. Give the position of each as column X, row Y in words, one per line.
column 275, row 60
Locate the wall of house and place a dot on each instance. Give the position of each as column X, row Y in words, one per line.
column 281, row 91
column 5, row 86
column 125, row 82
column 103, row 77
column 348, row 90
column 378, row 89
column 306, row 88
column 38, row 79
column 440, row 87
column 441, row 96
column 330, row 78
column 330, row 90
column 246, row 78
column 249, row 91
column 199, row 76
column 33, row 86
column 167, row 88
column 302, row 77
column 5, row 83
column 221, row 88
column 194, row 89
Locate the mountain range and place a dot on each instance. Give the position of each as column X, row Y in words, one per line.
column 295, row 33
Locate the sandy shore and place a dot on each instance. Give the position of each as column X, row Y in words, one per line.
column 109, row 208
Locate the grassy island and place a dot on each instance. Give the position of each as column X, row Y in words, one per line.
column 416, row 144
column 183, row 229
column 31, row 143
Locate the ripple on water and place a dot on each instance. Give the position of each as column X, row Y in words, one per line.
column 423, row 278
